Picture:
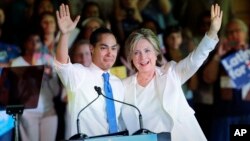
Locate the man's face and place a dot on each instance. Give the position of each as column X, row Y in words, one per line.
column 82, row 55
column 236, row 35
column 105, row 51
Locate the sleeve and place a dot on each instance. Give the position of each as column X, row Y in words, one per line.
column 70, row 75
column 189, row 65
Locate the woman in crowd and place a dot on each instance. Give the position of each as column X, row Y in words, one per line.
column 39, row 124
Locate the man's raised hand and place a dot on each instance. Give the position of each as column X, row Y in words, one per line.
column 64, row 21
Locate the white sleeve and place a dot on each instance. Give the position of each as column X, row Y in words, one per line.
column 190, row 64
column 71, row 75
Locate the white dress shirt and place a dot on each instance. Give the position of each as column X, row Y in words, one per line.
column 148, row 95
column 79, row 81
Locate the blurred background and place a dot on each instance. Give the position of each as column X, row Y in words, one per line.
column 28, row 31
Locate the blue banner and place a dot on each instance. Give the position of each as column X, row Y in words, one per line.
column 237, row 66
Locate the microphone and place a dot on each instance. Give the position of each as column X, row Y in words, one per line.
column 79, row 135
column 138, row 132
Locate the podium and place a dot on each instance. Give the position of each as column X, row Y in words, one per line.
column 19, row 90
column 164, row 136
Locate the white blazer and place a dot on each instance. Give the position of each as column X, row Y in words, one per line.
column 169, row 78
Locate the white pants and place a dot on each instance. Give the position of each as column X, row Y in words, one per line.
column 36, row 127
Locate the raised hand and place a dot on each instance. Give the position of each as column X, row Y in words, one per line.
column 65, row 23
column 216, row 19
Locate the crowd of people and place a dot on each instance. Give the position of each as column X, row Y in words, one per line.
column 174, row 73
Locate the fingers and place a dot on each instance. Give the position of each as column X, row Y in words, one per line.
column 212, row 11
column 67, row 11
column 77, row 19
column 57, row 15
column 63, row 11
column 216, row 11
column 221, row 14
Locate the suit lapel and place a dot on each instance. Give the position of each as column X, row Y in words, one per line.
column 164, row 92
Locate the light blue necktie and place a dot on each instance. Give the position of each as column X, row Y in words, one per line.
column 110, row 106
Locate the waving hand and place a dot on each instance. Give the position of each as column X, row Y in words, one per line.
column 65, row 23
column 216, row 19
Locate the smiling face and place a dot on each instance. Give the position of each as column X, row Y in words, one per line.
column 237, row 34
column 144, row 56
column 105, row 51
column 143, row 52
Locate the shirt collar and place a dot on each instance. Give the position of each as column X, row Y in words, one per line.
column 98, row 69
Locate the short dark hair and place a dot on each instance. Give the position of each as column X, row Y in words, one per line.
column 94, row 37
column 26, row 36
column 172, row 29
column 88, row 4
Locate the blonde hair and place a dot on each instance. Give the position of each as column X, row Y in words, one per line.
column 137, row 35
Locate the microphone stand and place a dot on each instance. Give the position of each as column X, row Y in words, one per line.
column 79, row 135
column 138, row 132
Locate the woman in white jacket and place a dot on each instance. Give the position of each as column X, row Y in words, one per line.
column 157, row 91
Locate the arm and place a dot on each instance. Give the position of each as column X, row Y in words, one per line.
column 188, row 66
column 66, row 25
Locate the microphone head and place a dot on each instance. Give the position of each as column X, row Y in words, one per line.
column 97, row 89
column 78, row 136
